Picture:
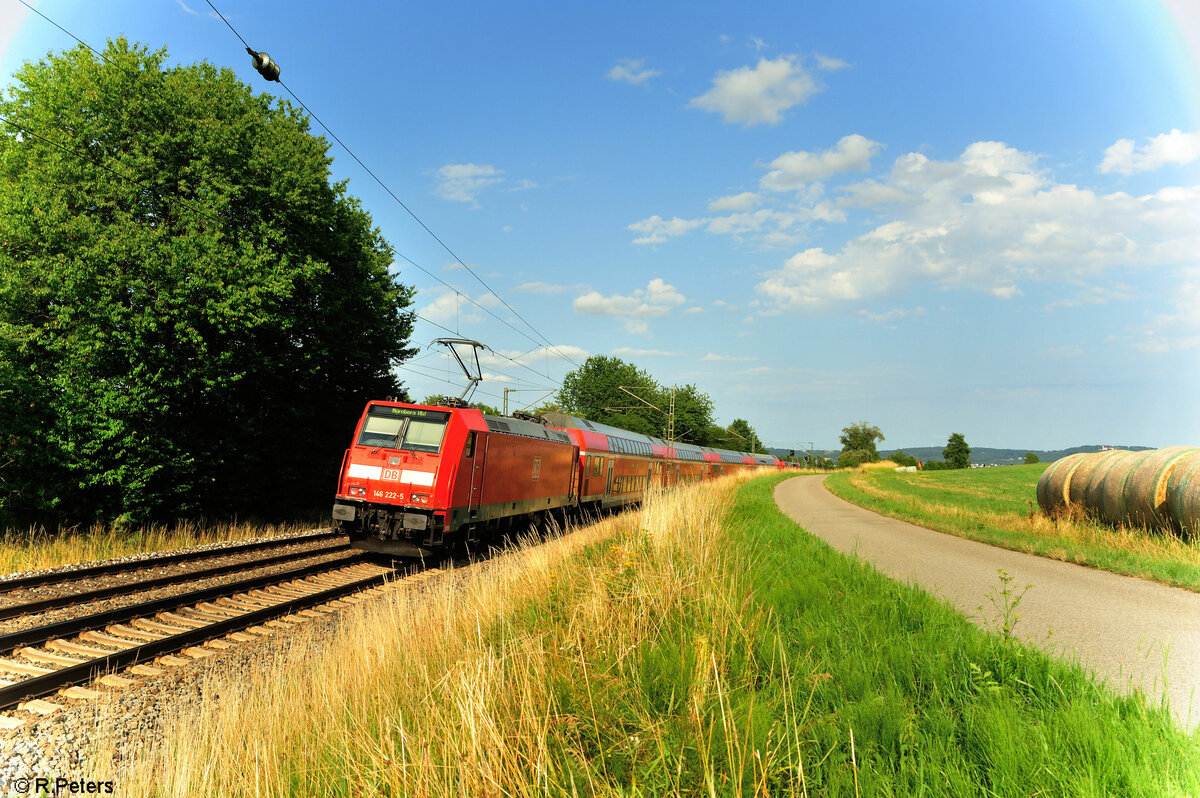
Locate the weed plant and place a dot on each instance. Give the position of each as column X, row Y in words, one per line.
column 704, row 645
column 999, row 506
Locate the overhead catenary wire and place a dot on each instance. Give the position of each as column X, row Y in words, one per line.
column 397, row 199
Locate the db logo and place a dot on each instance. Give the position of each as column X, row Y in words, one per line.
column 392, row 473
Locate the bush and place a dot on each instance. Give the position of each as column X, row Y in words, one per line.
column 853, row 458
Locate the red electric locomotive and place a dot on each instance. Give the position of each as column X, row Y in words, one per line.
column 418, row 477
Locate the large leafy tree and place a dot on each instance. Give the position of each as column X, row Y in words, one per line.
column 858, row 444
column 191, row 312
column 957, row 453
column 593, row 391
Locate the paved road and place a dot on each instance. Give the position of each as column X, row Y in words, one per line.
column 1130, row 632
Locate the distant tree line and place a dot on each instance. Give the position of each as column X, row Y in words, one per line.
column 858, row 447
column 612, row 391
column 191, row 313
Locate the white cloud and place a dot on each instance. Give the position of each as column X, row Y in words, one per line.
column 745, row 201
column 656, row 230
column 869, row 194
column 714, row 358
column 892, row 315
column 766, row 226
column 1094, row 295
column 988, row 221
column 1178, row 331
column 793, row 170
column 787, row 225
column 759, row 94
column 538, row 287
column 1064, row 351
column 625, row 351
column 655, row 300
column 448, row 306
column 1124, row 157
column 829, row 64
column 462, row 182
column 629, row 70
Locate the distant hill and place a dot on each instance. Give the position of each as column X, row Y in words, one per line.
column 979, row 454
column 985, row 456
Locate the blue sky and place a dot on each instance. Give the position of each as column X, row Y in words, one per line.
column 976, row 217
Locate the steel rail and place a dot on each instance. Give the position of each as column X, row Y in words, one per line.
column 37, row 686
column 29, row 607
column 73, row 626
column 38, row 579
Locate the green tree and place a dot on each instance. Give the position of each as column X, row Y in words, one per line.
column 957, row 453
column 861, row 437
column 852, row 458
column 903, row 458
column 191, row 314
column 593, row 391
column 744, row 438
column 713, row 435
column 693, row 414
column 1031, row 458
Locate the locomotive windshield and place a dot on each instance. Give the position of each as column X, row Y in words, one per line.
column 403, row 428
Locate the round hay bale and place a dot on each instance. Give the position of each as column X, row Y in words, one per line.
column 1183, row 495
column 1052, row 487
column 1146, row 487
column 1089, row 471
column 1112, row 488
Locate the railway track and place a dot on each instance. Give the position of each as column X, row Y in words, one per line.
column 143, row 638
column 75, row 597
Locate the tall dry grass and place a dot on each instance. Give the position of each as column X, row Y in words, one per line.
column 38, row 548
column 496, row 680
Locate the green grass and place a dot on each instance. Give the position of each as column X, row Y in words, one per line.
column 999, row 506
column 936, row 706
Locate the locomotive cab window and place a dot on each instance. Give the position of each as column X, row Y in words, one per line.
column 400, row 428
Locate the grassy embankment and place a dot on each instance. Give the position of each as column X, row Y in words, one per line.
column 999, row 506
column 37, row 548
column 702, row 646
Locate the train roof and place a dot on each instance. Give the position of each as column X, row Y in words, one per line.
column 683, row 451
column 528, row 429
